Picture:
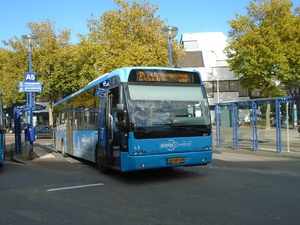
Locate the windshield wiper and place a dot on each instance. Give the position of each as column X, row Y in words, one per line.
column 149, row 129
column 183, row 126
column 157, row 127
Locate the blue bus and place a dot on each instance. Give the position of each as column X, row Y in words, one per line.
column 2, row 133
column 137, row 118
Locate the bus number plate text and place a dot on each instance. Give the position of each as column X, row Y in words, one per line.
column 175, row 160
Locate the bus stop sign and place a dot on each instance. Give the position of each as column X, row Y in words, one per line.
column 30, row 77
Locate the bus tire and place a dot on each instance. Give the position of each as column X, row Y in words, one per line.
column 102, row 169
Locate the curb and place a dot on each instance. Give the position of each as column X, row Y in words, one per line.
column 24, row 158
column 260, row 152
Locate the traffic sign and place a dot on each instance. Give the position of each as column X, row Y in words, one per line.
column 35, row 107
column 105, row 84
column 30, row 77
column 30, row 86
column 38, row 107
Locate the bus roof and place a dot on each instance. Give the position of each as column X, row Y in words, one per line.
column 123, row 75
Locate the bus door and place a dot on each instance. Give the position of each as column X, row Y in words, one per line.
column 113, row 130
column 109, row 149
column 103, row 143
column 69, row 133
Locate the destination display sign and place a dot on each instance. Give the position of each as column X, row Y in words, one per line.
column 164, row 76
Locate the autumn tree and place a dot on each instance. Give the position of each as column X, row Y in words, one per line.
column 263, row 47
column 51, row 60
column 13, row 64
column 127, row 36
column 130, row 36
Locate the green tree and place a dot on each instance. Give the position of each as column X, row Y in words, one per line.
column 264, row 45
column 13, row 65
column 51, row 60
column 130, row 36
column 63, row 67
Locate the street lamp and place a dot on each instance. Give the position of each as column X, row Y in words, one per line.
column 217, row 68
column 170, row 32
column 30, row 41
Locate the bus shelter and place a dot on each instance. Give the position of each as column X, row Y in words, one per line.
column 240, row 122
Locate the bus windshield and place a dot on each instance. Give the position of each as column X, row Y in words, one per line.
column 168, row 105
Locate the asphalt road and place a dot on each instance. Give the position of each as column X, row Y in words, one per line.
column 238, row 187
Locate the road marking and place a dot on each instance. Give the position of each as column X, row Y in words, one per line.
column 74, row 187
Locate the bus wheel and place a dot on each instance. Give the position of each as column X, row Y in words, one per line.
column 102, row 169
column 97, row 157
column 63, row 149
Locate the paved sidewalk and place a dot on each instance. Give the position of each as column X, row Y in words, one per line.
column 39, row 150
column 255, row 154
column 267, row 139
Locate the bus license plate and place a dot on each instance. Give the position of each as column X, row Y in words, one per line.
column 175, row 160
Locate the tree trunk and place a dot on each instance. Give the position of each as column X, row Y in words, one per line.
column 50, row 113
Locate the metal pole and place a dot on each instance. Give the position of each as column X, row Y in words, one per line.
column 218, row 129
column 278, row 127
column 170, row 51
column 235, row 125
column 254, row 125
column 218, row 87
column 170, row 32
column 31, row 153
column 295, row 118
column 287, row 127
column 217, row 72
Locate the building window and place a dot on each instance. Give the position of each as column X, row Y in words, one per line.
column 190, row 45
column 243, row 92
column 223, row 86
column 233, row 85
column 209, row 88
column 226, row 86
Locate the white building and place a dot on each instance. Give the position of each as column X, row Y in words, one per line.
column 204, row 52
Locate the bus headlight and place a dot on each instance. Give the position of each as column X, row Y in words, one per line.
column 207, row 148
column 138, row 152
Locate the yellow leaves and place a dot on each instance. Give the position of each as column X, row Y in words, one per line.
column 130, row 35
column 262, row 43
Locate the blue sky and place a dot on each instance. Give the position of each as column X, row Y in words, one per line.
column 189, row 15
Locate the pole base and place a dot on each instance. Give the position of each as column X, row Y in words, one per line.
column 31, row 153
